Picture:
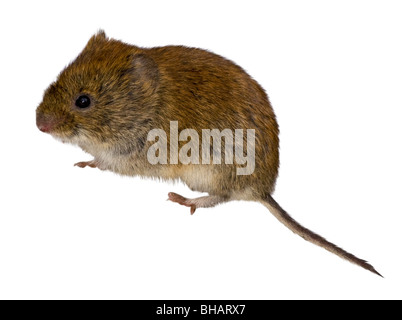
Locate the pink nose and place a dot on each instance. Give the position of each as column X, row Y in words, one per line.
column 45, row 123
column 43, row 127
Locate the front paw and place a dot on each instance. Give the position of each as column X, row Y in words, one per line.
column 84, row 164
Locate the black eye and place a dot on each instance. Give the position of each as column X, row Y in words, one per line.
column 83, row 102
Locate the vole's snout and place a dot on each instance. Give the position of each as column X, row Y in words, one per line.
column 46, row 123
column 42, row 127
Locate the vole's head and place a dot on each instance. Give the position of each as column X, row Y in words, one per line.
column 102, row 96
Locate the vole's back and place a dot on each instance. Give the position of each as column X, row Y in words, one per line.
column 202, row 90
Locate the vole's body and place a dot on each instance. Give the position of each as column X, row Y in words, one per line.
column 133, row 90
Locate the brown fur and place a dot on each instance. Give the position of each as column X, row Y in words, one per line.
column 134, row 90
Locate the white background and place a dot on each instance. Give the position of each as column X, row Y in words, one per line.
column 333, row 71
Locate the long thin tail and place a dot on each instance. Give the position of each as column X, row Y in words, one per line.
column 308, row 235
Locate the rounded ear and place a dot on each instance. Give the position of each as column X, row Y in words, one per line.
column 145, row 72
column 96, row 39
